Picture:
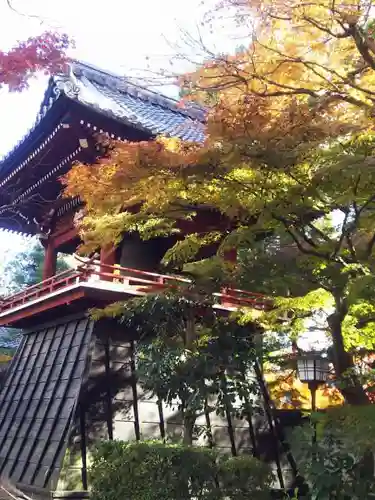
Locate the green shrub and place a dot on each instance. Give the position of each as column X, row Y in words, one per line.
column 339, row 463
column 245, row 478
column 151, row 470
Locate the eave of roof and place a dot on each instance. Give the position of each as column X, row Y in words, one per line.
column 47, row 119
column 126, row 86
column 98, row 101
column 109, row 95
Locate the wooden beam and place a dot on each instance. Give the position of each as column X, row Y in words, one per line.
column 43, row 306
column 65, row 237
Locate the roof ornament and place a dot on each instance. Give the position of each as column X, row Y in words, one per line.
column 68, row 85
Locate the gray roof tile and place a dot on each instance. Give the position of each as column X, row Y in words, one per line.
column 38, row 399
column 137, row 105
column 116, row 97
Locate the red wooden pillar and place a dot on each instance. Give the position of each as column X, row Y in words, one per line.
column 107, row 258
column 50, row 260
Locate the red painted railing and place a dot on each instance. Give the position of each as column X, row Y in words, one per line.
column 56, row 283
column 92, row 271
column 241, row 298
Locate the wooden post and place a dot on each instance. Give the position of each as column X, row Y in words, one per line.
column 50, row 260
column 107, row 257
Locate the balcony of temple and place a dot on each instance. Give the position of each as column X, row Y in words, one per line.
column 100, row 282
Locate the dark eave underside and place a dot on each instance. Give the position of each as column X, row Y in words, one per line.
column 64, row 143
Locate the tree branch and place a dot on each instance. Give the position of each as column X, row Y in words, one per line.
column 319, row 232
column 361, row 45
column 301, row 248
column 313, row 22
column 343, row 233
column 352, row 250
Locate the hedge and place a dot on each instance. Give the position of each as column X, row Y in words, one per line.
column 152, row 470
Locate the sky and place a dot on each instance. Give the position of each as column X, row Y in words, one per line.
column 122, row 36
column 125, row 37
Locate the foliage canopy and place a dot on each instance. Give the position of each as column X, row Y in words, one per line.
column 45, row 52
column 288, row 160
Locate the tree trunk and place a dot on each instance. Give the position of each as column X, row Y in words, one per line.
column 343, row 362
column 189, row 417
column 189, row 421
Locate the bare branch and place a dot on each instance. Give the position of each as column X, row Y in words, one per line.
column 361, row 45
column 313, row 22
column 42, row 20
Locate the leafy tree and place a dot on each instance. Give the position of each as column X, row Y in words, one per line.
column 321, row 52
column 45, row 52
column 338, row 464
column 189, row 357
column 311, row 262
column 288, row 160
column 26, row 268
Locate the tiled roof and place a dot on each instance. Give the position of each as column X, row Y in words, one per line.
column 112, row 96
column 133, row 104
column 38, row 400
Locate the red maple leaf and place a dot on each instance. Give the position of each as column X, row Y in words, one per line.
column 46, row 52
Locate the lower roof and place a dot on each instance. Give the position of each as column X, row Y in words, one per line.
column 38, row 401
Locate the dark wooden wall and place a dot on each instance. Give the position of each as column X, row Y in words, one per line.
column 113, row 405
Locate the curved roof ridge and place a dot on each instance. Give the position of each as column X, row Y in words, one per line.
column 68, row 84
column 49, row 99
column 124, row 85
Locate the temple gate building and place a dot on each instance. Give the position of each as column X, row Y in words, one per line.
column 72, row 381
